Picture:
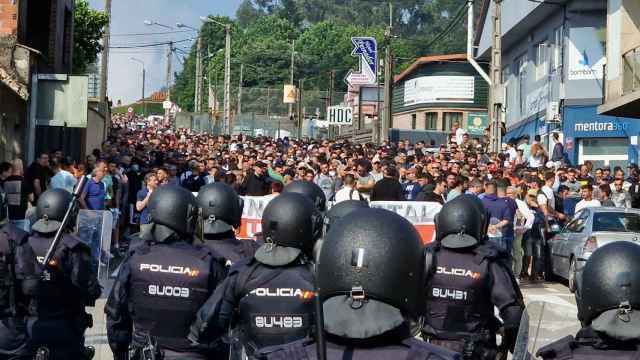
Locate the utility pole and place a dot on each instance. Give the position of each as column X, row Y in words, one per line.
column 144, row 102
column 104, row 63
column 300, row 97
column 293, row 52
column 388, row 82
column 227, row 81
column 269, row 106
column 169, row 57
column 332, row 128
column 240, row 91
column 495, row 95
column 197, row 101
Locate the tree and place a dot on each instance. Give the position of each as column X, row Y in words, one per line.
column 88, row 30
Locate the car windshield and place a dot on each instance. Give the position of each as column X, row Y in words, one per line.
column 613, row 221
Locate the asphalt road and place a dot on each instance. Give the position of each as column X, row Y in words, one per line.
column 554, row 294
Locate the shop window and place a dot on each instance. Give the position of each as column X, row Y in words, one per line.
column 451, row 118
column 431, row 120
column 413, row 121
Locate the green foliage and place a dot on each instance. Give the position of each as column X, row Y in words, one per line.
column 264, row 29
column 88, row 30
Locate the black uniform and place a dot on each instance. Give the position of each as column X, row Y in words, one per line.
column 268, row 305
column 159, row 288
column 13, row 337
column 590, row 345
column 468, row 278
column 57, row 300
column 369, row 275
column 608, row 302
column 462, row 293
column 229, row 248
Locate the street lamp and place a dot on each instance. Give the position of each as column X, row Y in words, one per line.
column 144, row 103
column 181, row 25
column 153, row 22
column 227, row 72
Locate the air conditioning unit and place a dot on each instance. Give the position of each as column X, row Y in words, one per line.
column 553, row 112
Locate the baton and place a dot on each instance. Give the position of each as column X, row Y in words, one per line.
column 58, row 237
column 321, row 345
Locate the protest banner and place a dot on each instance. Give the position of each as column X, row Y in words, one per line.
column 420, row 213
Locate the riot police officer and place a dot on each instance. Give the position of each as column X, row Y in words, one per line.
column 370, row 277
column 469, row 277
column 162, row 283
column 608, row 305
column 221, row 211
column 57, row 299
column 271, row 293
column 13, row 338
column 310, row 190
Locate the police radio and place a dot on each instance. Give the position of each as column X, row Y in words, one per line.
column 58, row 237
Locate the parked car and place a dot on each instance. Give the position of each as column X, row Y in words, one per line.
column 591, row 228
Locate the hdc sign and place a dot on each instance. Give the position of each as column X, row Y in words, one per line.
column 339, row 115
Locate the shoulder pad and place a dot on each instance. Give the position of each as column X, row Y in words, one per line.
column 72, row 242
column 489, row 252
column 560, row 349
column 422, row 350
column 240, row 265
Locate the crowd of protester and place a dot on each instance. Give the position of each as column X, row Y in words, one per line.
column 525, row 189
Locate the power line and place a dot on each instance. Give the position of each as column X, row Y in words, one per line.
column 152, row 33
column 447, row 30
column 150, row 45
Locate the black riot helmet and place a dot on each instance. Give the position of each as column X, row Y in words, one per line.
column 371, row 267
column 290, row 226
column 609, row 293
column 220, row 208
column 174, row 207
column 462, row 222
column 310, row 190
column 51, row 207
column 342, row 209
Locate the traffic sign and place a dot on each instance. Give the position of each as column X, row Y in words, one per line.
column 366, row 48
column 166, row 104
column 289, row 94
column 339, row 115
column 130, row 110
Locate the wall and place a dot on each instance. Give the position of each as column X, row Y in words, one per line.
column 623, row 35
column 94, row 135
column 536, row 74
column 13, row 116
column 8, row 17
column 463, row 68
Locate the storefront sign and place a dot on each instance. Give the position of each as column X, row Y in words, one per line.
column 586, row 54
column 439, row 89
column 600, row 126
column 477, row 123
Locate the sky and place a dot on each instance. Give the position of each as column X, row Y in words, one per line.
column 127, row 17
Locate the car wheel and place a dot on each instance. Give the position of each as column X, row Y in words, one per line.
column 572, row 276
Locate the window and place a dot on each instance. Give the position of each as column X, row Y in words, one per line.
column 413, row 121
column 618, row 222
column 451, row 118
column 577, row 225
column 558, row 43
column 521, row 74
column 541, row 60
column 431, row 120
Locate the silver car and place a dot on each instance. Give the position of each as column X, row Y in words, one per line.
column 590, row 229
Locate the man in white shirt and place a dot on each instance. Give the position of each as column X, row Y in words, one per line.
column 587, row 199
column 459, row 133
column 348, row 192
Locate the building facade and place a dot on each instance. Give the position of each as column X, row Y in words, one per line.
column 436, row 92
column 622, row 76
column 553, row 65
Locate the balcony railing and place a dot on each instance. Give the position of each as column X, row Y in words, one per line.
column 631, row 71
